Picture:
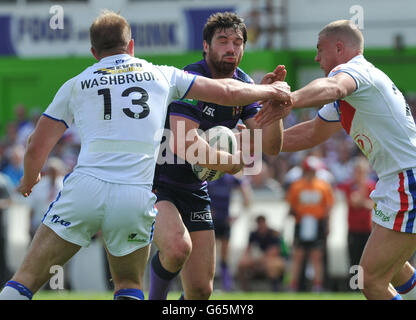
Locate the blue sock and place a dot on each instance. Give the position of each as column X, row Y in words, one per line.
column 160, row 279
column 397, row 297
column 129, row 294
column 409, row 285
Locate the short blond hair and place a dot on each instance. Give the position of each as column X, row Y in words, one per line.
column 346, row 31
column 110, row 32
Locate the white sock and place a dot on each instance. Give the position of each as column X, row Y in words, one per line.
column 411, row 295
column 408, row 290
column 15, row 291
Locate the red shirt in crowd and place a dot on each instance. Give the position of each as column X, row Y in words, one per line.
column 359, row 217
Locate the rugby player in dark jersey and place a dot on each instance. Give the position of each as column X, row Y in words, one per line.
column 184, row 231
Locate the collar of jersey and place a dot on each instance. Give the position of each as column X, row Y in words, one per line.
column 116, row 57
column 357, row 57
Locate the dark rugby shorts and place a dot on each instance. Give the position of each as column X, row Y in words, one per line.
column 194, row 206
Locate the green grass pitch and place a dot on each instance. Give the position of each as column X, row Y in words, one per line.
column 70, row 295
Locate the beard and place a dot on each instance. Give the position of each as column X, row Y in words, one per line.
column 222, row 67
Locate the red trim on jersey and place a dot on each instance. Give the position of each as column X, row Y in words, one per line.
column 404, row 204
column 347, row 114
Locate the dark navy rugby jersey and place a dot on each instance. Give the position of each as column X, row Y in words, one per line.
column 208, row 115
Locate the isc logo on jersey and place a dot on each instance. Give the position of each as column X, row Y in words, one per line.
column 220, row 138
column 209, row 111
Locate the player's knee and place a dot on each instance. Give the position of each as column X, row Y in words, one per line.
column 202, row 291
column 178, row 253
column 373, row 282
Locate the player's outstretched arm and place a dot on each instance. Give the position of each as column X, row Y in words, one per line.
column 308, row 134
column 230, row 92
column 40, row 144
column 273, row 132
column 324, row 90
column 315, row 94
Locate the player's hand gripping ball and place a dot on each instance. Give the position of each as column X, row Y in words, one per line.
column 221, row 138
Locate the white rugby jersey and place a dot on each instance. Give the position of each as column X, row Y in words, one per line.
column 377, row 118
column 118, row 106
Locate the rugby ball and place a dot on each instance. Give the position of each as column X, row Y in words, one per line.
column 221, row 138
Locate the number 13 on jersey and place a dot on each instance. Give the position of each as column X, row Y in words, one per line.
column 127, row 111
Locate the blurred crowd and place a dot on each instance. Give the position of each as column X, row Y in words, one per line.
column 306, row 180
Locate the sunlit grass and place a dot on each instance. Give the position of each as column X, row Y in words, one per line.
column 217, row 295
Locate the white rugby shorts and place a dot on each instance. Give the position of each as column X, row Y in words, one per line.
column 395, row 201
column 124, row 213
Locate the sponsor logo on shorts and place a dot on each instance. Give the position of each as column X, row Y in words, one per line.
column 133, row 237
column 57, row 219
column 380, row 214
column 201, row 216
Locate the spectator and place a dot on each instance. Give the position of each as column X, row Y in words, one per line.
column 27, row 127
column 264, row 255
column 5, row 202
column 310, row 200
column 20, row 114
column 220, row 193
column 263, row 181
column 14, row 168
column 45, row 192
column 3, row 158
column 296, row 172
column 342, row 169
column 357, row 192
column 11, row 134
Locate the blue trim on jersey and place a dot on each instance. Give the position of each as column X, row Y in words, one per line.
column 326, row 119
column 21, row 288
column 184, row 116
column 356, row 82
column 407, row 286
column 336, row 106
column 189, row 88
column 130, row 292
column 412, row 213
column 50, row 117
